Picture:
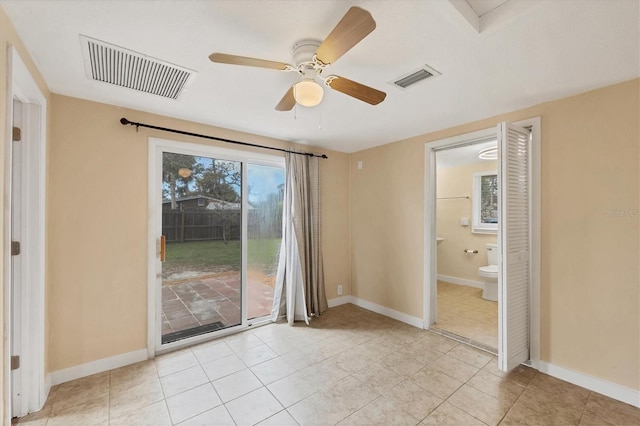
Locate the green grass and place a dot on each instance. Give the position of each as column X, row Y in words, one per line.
column 218, row 256
column 263, row 253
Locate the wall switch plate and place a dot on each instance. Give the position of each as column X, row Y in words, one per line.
column 359, row 165
column 464, row 221
column 339, row 290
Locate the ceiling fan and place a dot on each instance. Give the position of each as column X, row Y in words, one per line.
column 312, row 57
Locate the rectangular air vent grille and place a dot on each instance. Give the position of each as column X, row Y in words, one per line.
column 112, row 64
column 422, row 74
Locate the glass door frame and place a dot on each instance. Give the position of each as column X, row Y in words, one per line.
column 157, row 147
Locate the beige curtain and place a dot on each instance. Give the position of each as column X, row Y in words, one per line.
column 300, row 279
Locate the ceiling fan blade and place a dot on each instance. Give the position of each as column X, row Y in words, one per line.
column 224, row 58
column 354, row 89
column 353, row 27
column 287, row 102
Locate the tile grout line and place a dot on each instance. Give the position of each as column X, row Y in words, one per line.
column 330, row 348
column 460, row 387
column 584, row 410
column 515, row 402
column 164, row 396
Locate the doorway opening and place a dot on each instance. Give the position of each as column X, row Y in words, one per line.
column 466, row 227
column 518, row 236
column 214, row 242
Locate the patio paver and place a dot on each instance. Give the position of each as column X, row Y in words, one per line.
column 208, row 300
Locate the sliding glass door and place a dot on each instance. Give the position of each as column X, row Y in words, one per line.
column 264, row 234
column 201, row 225
column 217, row 229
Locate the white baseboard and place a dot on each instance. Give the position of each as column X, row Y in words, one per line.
column 379, row 309
column 612, row 390
column 340, row 301
column 460, row 281
column 98, row 366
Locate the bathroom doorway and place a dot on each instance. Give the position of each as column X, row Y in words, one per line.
column 516, row 178
column 466, row 225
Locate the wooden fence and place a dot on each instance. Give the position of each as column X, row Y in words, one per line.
column 208, row 225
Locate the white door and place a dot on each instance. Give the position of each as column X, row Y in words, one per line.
column 25, row 196
column 514, row 238
column 16, row 264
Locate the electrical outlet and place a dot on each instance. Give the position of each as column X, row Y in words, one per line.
column 339, row 290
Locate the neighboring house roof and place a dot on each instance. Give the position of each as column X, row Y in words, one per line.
column 214, row 203
column 195, row 198
column 224, row 205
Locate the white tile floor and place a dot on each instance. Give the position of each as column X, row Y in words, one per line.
column 351, row 367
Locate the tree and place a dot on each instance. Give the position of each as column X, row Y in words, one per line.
column 221, row 180
column 209, row 177
column 173, row 184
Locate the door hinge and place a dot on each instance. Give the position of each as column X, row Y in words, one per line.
column 17, row 134
column 15, row 248
column 15, row 362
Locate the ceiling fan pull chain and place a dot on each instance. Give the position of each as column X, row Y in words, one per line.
column 319, row 119
column 295, row 112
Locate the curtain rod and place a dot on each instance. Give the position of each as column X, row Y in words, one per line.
column 124, row 122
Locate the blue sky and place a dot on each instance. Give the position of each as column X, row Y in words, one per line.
column 263, row 180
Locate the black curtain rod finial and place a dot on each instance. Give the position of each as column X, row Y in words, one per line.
column 124, row 121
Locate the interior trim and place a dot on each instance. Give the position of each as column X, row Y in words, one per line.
column 460, row 281
column 97, row 366
column 612, row 390
column 31, row 326
column 379, row 309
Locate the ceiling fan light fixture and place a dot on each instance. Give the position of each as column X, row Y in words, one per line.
column 307, row 93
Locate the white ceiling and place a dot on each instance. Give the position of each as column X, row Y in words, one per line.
column 462, row 155
column 549, row 50
column 481, row 7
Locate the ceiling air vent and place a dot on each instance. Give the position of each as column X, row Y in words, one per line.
column 415, row 77
column 116, row 65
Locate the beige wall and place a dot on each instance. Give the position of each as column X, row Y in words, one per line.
column 98, row 226
column 96, row 268
column 452, row 260
column 8, row 37
column 589, row 279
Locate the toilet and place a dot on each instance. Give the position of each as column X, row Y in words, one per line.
column 489, row 274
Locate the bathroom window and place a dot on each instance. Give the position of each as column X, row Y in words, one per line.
column 485, row 203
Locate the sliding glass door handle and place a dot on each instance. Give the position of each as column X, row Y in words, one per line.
column 160, row 247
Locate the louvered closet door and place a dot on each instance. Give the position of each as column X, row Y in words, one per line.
column 514, row 240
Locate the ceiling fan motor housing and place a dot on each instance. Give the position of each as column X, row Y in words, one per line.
column 303, row 50
column 311, row 57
